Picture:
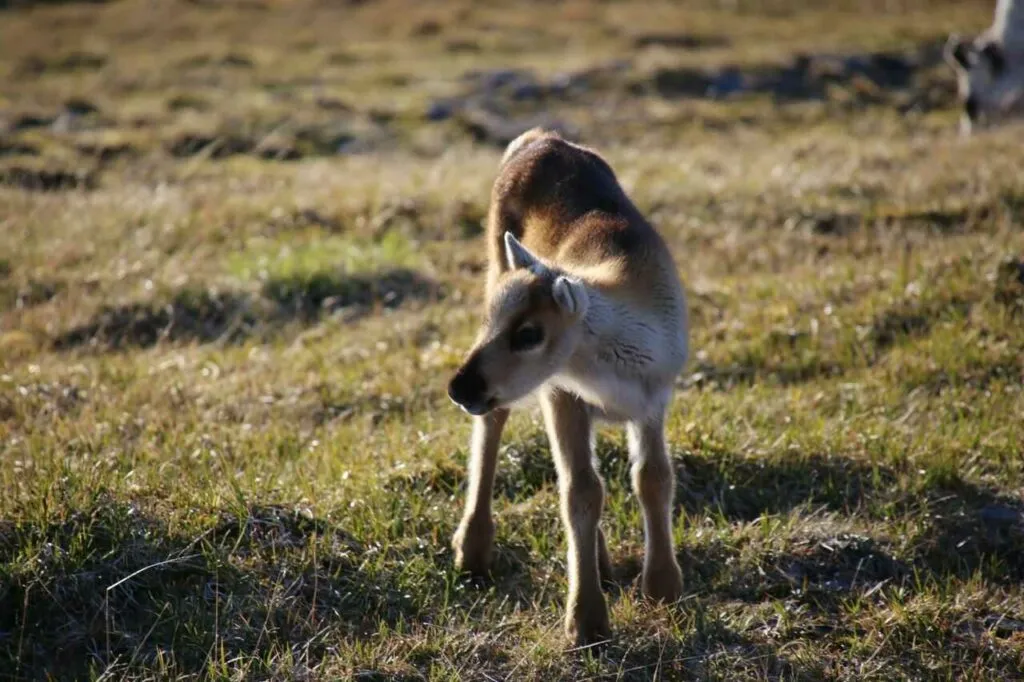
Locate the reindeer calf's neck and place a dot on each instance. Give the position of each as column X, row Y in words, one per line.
column 628, row 355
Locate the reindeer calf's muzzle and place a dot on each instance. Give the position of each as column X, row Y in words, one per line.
column 468, row 390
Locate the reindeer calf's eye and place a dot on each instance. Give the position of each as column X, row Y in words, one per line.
column 526, row 337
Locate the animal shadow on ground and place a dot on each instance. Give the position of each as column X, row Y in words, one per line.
column 112, row 586
column 196, row 315
column 509, row 572
column 967, row 531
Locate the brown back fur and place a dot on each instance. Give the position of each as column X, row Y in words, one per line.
column 564, row 203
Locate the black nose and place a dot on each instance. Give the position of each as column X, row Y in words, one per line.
column 971, row 108
column 467, row 387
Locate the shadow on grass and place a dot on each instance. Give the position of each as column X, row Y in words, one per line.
column 308, row 296
column 110, row 588
column 812, row 574
column 806, row 76
column 113, row 588
column 713, row 650
column 191, row 315
column 755, row 370
column 203, row 316
column 525, row 467
column 964, row 530
column 498, row 102
column 967, row 530
column 18, row 4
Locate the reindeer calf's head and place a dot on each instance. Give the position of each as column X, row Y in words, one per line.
column 532, row 326
column 984, row 81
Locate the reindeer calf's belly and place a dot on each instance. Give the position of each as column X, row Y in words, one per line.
column 615, row 398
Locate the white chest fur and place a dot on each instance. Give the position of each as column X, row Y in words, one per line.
column 628, row 360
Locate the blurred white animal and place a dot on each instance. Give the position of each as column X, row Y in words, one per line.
column 990, row 68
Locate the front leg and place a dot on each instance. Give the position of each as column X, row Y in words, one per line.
column 569, row 430
column 654, row 485
column 474, row 537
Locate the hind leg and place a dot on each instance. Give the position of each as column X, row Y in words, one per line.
column 654, row 484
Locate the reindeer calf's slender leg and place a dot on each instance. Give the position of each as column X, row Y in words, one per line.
column 654, row 485
column 474, row 537
column 582, row 496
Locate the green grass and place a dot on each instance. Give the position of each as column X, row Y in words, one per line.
column 232, row 295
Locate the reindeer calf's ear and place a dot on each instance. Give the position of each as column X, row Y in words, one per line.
column 571, row 295
column 517, row 256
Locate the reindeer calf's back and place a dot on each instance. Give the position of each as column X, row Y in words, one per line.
column 564, row 203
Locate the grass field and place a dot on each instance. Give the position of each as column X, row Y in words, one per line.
column 241, row 254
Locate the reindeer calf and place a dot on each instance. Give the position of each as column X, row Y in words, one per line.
column 584, row 308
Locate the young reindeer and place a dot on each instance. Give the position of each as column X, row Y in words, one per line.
column 584, row 308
